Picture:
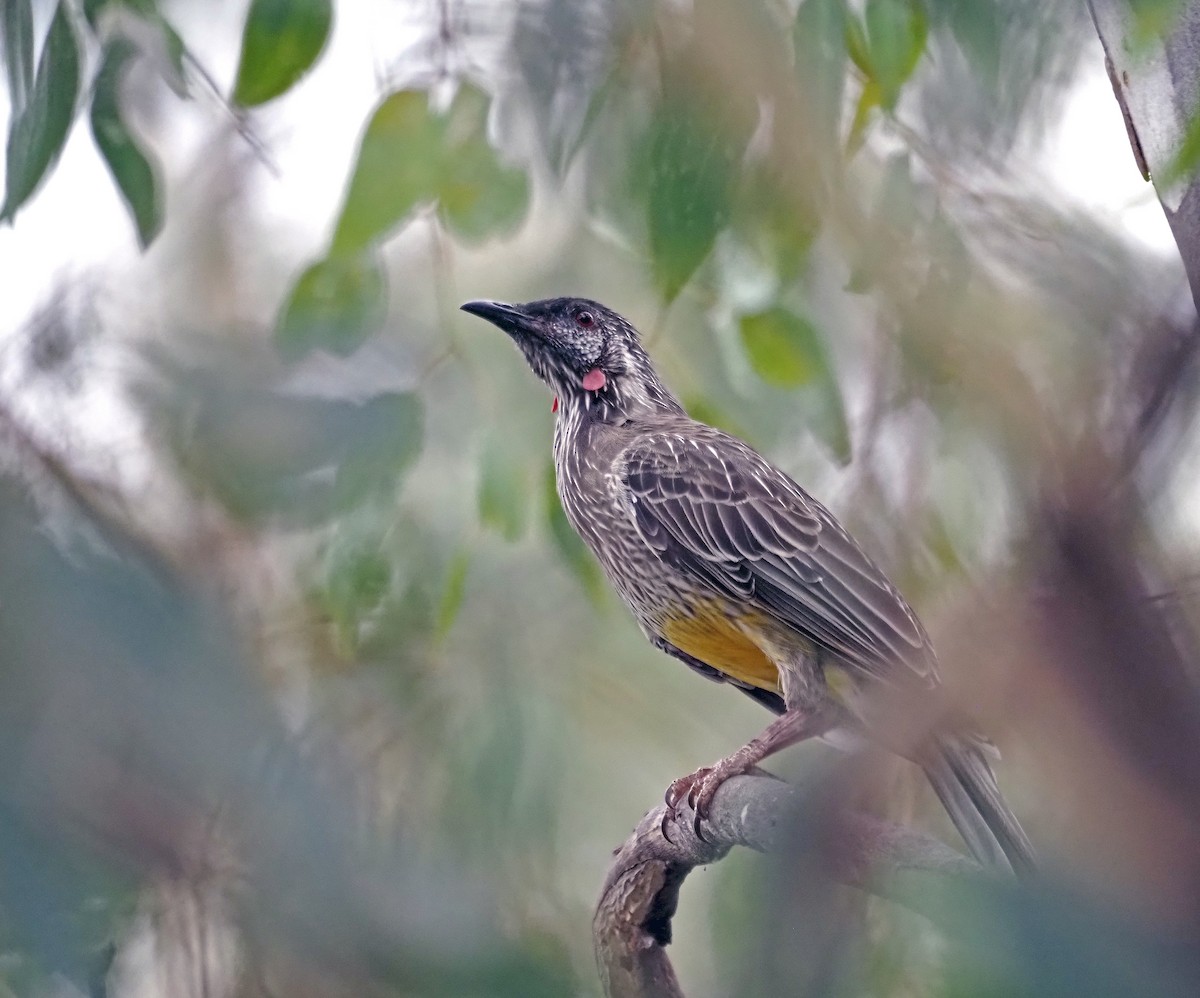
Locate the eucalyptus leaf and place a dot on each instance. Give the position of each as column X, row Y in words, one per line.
column 93, row 10
column 453, row 593
column 131, row 169
column 785, row 350
column 783, row 347
column 689, row 166
column 977, row 31
column 37, row 134
column 281, row 42
column 870, row 98
column 826, row 416
column 398, row 166
column 17, row 25
column 896, row 34
column 820, row 36
column 335, row 305
column 270, row 456
column 357, row 581
column 477, row 196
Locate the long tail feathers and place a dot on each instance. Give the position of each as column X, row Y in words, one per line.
column 965, row 784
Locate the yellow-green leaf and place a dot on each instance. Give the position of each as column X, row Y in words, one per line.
column 786, row 351
column 856, row 45
column 896, row 34
column 870, row 98
column 453, row 593
column 783, row 347
column 398, row 166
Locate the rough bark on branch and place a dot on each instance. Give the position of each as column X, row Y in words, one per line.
column 632, row 923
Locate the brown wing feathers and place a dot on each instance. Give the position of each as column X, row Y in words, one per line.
column 712, row 506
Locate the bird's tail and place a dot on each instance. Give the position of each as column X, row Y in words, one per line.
column 965, row 784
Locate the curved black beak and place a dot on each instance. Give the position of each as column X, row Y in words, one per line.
column 510, row 318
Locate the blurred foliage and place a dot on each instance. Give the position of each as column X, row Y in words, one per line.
column 409, row 157
column 281, row 41
column 299, row 644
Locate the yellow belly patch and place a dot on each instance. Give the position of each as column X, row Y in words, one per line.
column 709, row 635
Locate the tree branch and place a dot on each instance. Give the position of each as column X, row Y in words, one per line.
column 632, row 923
column 1156, row 86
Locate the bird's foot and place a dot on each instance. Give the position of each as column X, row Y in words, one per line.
column 699, row 788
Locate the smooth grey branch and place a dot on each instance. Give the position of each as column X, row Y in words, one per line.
column 632, row 923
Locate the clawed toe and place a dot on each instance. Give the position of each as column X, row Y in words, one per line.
column 698, row 789
column 684, row 787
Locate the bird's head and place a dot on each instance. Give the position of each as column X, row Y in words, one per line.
column 588, row 354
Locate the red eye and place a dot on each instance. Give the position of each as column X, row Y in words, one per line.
column 585, row 319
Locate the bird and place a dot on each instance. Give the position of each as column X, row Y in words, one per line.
column 731, row 567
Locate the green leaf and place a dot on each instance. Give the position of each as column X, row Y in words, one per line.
column 1185, row 160
column 399, row 165
column 820, row 40
column 93, row 9
column 17, row 25
column 978, row 30
column 503, row 492
column 1153, row 20
column 856, row 45
column 410, row 156
column 382, row 438
column 477, row 196
column 266, row 455
column 169, row 49
column 870, row 98
column 786, row 351
column 281, row 41
column 826, row 416
column 691, row 167
column 570, row 547
column 771, row 220
column 37, row 135
column 132, row 171
column 335, row 305
column 896, row 34
column 453, row 594
column 358, row 581
column 783, row 347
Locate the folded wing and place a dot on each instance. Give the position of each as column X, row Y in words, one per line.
column 714, row 508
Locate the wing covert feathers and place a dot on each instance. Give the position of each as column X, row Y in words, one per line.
column 715, row 509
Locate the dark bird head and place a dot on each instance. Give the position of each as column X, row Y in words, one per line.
column 589, row 355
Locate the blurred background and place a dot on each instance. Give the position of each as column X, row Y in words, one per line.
column 307, row 688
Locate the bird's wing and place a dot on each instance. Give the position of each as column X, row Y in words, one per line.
column 714, row 508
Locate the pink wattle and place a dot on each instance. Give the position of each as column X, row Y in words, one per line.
column 594, row 380
column 554, row 407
